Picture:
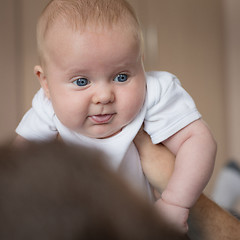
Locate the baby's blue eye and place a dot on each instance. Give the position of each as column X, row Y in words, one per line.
column 121, row 78
column 81, row 82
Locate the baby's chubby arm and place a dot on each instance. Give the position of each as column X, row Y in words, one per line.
column 38, row 122
column 195, row 150
column 19, row 141
column 206, row 220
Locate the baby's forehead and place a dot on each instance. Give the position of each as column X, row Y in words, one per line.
column 80, row 18
column 64, row 39
column 61, row 27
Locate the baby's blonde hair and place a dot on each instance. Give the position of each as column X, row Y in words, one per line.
column 79, row 14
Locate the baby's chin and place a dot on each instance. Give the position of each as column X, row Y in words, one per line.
column 109, row 136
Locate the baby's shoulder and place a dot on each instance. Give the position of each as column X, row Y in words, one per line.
column 160, row 82
column 161, row 78
column 42, row 105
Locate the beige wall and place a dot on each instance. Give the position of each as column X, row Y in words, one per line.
column 184, row 37
column 8, row 70
column 17, row 58
column 30, row 11
column 232, row 76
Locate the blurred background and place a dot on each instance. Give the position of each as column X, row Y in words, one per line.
column 196, row 40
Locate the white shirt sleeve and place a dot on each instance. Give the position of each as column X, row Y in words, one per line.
column 170, row 107
column 38, row 123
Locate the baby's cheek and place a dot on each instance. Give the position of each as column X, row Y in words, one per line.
column 134, row 108
column 68, row 117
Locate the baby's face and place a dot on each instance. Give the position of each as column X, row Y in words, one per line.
column 95, row 80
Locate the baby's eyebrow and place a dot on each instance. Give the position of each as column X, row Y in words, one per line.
column 74, row 72
column 126, row 64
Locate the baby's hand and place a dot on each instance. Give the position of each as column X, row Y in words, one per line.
column 174, row 215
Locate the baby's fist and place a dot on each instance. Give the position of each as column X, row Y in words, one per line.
column 175, row 216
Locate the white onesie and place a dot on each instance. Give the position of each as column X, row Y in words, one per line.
column 167, row 109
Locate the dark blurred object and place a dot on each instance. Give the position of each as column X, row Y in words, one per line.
column 51, row 191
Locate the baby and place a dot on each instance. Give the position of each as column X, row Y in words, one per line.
column 96, row 93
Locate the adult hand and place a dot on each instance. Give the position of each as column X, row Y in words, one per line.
column 157, row 161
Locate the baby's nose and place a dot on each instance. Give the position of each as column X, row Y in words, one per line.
column 103, row 95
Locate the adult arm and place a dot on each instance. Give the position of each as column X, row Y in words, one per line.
column 207, row 220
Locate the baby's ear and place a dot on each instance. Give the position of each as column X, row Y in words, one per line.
column 38, row 71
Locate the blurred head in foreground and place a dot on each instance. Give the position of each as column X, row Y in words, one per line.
column 51, row 191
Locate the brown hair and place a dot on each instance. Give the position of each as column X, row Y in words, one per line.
column 51, row 191
column 79, row 14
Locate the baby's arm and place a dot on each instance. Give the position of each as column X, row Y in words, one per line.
column 195, row 150
column 19, row 141
column 38, row 122
column 207, row 220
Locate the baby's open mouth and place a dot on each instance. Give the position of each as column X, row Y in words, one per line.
column 102, row 118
